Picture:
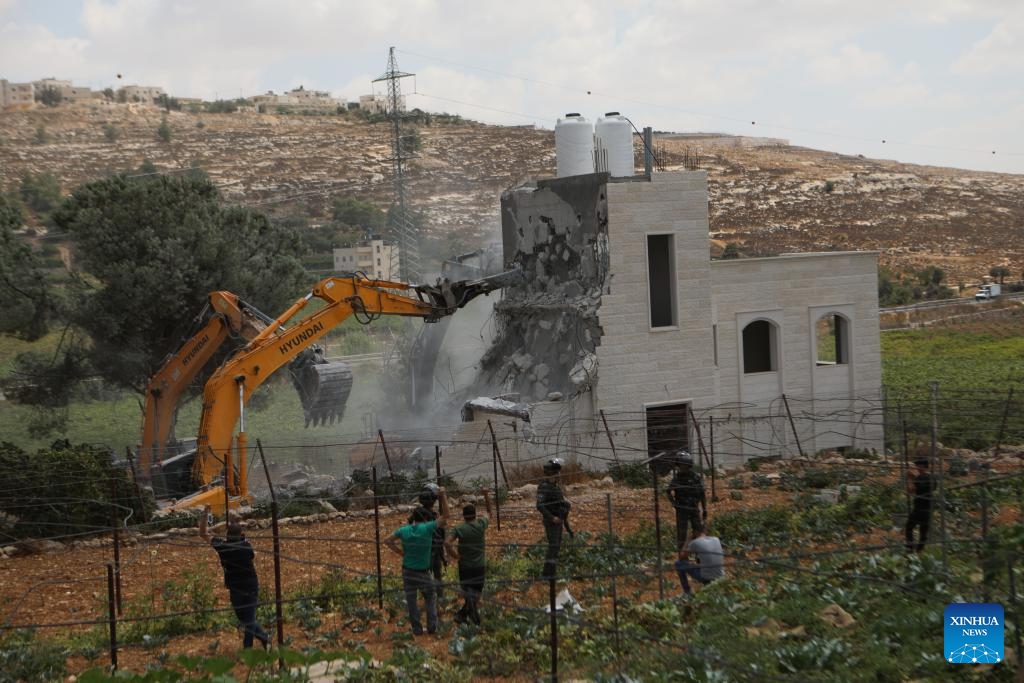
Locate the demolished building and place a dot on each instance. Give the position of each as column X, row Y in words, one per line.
column 628, row 340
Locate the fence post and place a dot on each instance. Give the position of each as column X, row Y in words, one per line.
column 1002, row 422
column 604, row 421
column 554, row 629
column 115, row 524
column 112, row 616
column 376, row 536
column 497, row 455
column 657, row 532
column 941, row 471
column 387, row 457
column 792, row 425
column 904, row 462
column 711, row 449
column 276, row 533
column 615, row 564
column 437, row 463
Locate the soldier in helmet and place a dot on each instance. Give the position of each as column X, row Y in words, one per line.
column 554, row 509
column 686, row 492
column 427, row 498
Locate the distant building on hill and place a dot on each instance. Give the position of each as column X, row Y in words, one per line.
column 375, row 257
column 17, row 95
column 297, row 99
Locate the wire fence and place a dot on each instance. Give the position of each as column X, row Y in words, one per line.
column 633, row 551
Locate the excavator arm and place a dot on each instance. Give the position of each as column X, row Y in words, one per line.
column 219, row 451
column 224, row 315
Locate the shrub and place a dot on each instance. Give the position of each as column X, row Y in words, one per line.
column 634, row 474
column 163, row 131
column 23, row 658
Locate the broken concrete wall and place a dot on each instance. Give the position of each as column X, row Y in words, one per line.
column 548, row 329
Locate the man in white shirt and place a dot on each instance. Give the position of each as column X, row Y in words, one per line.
column 710, row 563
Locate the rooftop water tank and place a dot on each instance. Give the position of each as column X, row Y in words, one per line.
column 574, row 146
column 613, row 138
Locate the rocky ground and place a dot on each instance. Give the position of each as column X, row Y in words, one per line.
column 767, row 200
column 51, row 583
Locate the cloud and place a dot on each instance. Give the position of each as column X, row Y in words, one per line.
column 1002, row 50
column 32, row 52
column 849, row 62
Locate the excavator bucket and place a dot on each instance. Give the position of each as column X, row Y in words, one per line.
column 323, row 387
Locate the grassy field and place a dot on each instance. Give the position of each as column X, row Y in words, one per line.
column 976, row 358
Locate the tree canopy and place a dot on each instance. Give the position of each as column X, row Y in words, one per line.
column 24, row 301
column 150, row 250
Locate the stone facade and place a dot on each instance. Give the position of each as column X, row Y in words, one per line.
column 17, row 95
column 668, row 345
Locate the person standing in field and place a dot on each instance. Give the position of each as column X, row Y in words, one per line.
column 236, row 558
column 471, row 556
column 413, row 543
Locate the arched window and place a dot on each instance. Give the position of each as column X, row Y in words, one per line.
column 760, row 348
column 832, row 334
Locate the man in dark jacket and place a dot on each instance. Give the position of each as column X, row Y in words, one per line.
column 554, row 509
column 921, row 487
column 240, row 578
column 686, row 492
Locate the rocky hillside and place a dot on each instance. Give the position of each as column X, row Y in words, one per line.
column 767, row 200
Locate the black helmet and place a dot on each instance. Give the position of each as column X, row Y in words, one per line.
column 553, row 465
column 683, row 458
column 428, row 496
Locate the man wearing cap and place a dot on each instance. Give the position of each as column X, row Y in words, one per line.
column 554, row 509
column 686, row 492
column 472, row 561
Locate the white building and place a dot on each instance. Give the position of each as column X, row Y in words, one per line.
column 140, row 93
column 628, row 334
column 19, row 95
column 378, row 104
column 376, row 257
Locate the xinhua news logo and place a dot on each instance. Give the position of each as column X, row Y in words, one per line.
column 973, row 633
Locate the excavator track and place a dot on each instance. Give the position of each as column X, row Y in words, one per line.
column 323, row 387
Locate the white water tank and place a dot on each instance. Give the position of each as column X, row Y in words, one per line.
column 613, row 135
column 574, row 146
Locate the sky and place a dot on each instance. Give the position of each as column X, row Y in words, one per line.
column 936, row 82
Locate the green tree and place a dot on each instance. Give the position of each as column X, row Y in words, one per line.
column 24, row 300
column 357, row 213
column 42, row 137
column 40, row 191
column 49, row 96
column 151, row 249
column 731, row 251
column 999, row 272
column 108, row 94
column 163, row 131
column 111, row 131
column 122, row 96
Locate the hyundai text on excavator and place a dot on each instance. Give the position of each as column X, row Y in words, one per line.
column 219, row 470
column 322, row 386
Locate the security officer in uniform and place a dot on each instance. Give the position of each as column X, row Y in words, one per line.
column 554, row 509
column 686, row 492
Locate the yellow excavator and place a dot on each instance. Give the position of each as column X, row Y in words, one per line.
column 219, row 469
column 322, row 386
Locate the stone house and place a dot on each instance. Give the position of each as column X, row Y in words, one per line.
column 628, row 340
column 376, row 257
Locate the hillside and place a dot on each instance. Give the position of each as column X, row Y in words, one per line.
column 768, row 200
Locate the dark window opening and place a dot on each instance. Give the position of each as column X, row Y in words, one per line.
column 668, row 429
column 759, row 347
column 661, row 280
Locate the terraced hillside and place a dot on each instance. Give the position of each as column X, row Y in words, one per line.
column 767, row 200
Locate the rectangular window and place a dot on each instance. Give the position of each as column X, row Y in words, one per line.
column 714, row 342
column 668, row 428
column 661, row 279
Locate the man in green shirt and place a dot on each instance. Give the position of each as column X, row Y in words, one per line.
column 416, row 540
column 472, row 562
